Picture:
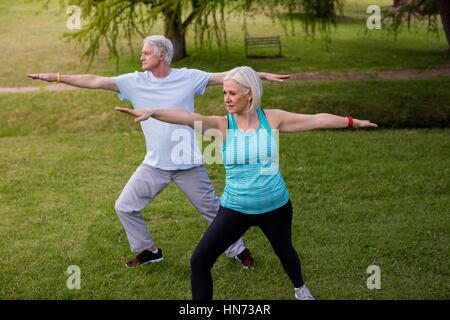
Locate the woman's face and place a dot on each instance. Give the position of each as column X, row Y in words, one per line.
column 235, row 98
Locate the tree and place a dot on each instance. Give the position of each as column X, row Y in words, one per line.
column 110, row 20
column 107, row 21
column 404, row 11
column 444, row 10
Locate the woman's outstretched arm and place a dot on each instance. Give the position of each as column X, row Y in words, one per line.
column 293, row 122
column 181, row 116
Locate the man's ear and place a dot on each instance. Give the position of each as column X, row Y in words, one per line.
column 162, row 56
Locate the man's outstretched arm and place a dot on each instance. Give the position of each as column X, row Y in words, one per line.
column 217, row 78
column 88, row 81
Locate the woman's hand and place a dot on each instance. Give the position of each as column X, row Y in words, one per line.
column 363, row 124
column 139, row 114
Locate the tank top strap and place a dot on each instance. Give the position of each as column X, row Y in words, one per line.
column 263, row 119
column 231, row 122
column 231, row 130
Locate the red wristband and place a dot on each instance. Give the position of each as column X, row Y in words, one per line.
column 350, row 122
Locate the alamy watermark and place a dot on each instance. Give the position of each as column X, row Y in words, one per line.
column 374, row 21
column 261, row 147
column 74, row 20
column 74, row 280
column 374, row 281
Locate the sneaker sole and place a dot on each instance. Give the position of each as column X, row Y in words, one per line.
column 151, row 261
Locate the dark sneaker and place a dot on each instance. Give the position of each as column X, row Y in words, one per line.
column 246, row 259
column 146, row 257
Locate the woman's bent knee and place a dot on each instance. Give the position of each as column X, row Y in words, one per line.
column 197, row 263
column 201, row 261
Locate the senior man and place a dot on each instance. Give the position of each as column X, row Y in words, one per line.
column 160, row 86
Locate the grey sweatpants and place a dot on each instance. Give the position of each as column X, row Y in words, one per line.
column 147, row 182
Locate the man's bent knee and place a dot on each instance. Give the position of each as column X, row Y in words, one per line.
column 118, row 208
column 122, row 210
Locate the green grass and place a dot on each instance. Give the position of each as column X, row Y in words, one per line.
column 361, row 198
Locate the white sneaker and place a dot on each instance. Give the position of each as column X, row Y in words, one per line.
column 303, row 293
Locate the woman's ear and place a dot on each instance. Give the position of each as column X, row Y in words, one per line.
column 249, row 95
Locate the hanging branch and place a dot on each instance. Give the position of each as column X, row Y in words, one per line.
column 395, row 18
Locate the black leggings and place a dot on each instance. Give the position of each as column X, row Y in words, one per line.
column 228, row 226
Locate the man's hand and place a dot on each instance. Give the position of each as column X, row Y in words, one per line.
column 217, row 78
column 273, row 77
column 50, row 77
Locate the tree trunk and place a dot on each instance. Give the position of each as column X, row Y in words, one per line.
column 179, row 44
column 444, row 10
column 174, row 31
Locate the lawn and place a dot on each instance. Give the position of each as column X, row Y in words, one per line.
column 374, row 197
column 361, row 197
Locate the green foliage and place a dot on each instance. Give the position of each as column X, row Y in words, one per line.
column 108, row 21
column 395, row 18
column 320, row 14
column 315, row 15
column 41, row 48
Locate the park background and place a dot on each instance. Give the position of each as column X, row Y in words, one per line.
column 361, row 198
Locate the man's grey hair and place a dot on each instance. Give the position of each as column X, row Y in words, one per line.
column 160, row 44
column 249, row 80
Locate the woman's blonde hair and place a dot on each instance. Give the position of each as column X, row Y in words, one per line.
column 249, row 80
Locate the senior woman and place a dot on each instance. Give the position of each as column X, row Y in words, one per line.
column 255, row 193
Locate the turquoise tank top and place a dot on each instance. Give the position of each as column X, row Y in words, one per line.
column 253, row 182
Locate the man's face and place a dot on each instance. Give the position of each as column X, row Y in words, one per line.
column 149, row 60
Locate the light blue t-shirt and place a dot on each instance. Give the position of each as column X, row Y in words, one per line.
column 169, row 146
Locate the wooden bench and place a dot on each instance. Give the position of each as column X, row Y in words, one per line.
column 262, row 42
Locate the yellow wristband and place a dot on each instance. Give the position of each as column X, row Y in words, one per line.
column 58, row 77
